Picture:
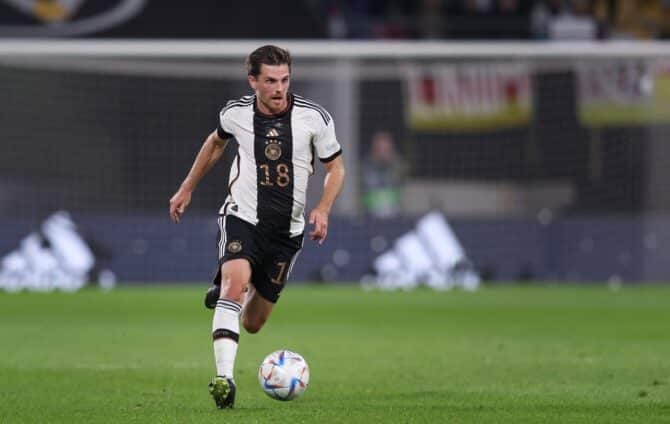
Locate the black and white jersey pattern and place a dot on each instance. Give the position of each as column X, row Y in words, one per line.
column 268, row 179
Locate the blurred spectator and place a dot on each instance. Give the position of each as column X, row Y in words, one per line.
column 476, row 7
column 337, row 23
column 349, row 19
column 574, row 21
column 382, row 175
column 490, row 19
column 498, row 19
column 634, row 19
column 396, row 23
column 431, row 20
column 542, row 13
column 509, row 7
column 539, row 20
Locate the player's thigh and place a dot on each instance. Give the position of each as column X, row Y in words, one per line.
column 256, row 311
column 270, row 276
column 235, row 276
column 238, row 250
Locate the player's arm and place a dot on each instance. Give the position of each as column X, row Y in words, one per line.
column 332, row 185
column 209, row 154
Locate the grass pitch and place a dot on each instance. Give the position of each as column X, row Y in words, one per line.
column 501, row 355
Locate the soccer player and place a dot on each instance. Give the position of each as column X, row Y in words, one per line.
column 261, row 222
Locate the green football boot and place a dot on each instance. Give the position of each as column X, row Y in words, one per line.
column 222, row 390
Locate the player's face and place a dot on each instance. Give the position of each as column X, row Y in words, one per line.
column 271, row 87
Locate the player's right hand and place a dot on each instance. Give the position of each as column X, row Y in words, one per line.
column 178, row 204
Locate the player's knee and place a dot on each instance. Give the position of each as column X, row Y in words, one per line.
column 232, row 287
column 253, row 324
column 234, row 280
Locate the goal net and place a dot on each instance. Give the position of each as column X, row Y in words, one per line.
column 547, row 161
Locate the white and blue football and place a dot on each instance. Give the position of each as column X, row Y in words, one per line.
column 283, row 375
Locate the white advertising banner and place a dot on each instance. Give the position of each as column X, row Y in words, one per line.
column 631, row 92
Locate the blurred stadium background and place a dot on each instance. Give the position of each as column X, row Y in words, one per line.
column 545, row 149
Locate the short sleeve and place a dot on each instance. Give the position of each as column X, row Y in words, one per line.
column 325, row 142
column 223, row 127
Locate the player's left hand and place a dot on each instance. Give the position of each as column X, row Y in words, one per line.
column 319, row 218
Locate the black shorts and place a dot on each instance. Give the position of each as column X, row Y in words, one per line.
column 271, row 255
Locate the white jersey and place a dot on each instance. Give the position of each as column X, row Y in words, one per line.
column 268, row 178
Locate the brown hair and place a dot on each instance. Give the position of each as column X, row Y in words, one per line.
column 267, row 55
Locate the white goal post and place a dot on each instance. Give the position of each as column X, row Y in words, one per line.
column 230, row 49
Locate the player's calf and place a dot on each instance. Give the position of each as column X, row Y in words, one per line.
column 256, row 311
column 253, row 324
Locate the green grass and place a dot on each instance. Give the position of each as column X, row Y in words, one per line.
column 501, row 355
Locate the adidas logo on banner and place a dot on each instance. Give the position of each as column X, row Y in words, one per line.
column 54, row 258
column 430, row 254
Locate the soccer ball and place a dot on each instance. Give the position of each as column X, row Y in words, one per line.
column 283, row 375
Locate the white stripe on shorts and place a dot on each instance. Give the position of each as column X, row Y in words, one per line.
column 294, row 258
column 222, row 230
